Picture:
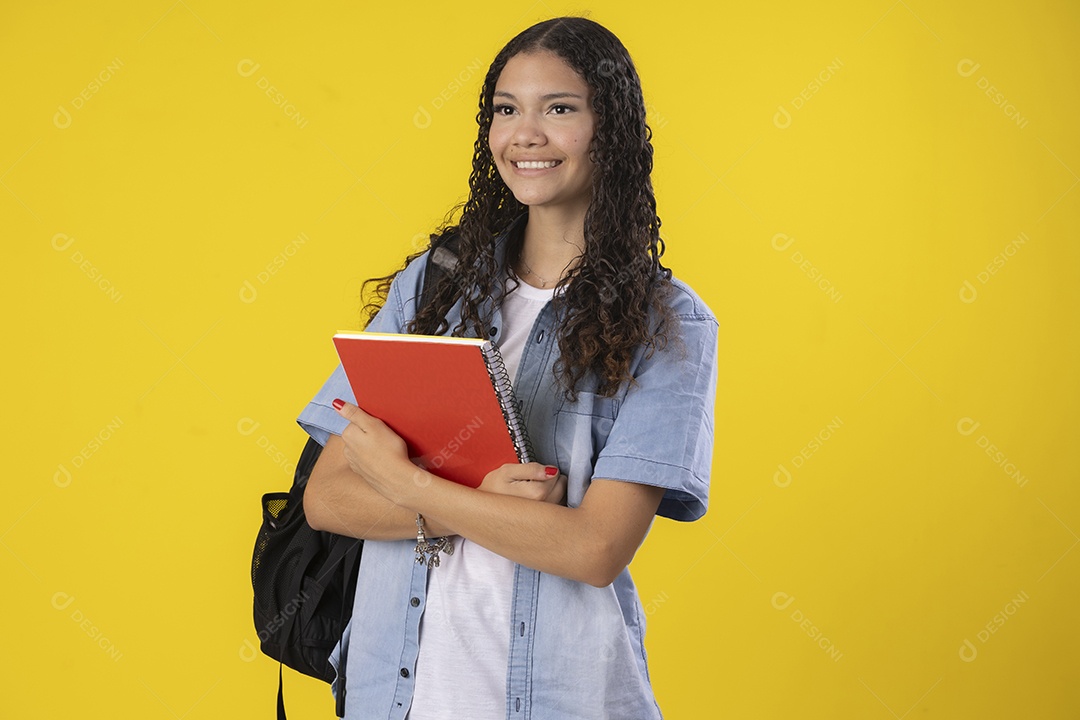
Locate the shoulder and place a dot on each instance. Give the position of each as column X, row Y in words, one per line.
column 692, row 331
column 687, row 305
column 412, row 275
column 690, row 334
column 402, row 297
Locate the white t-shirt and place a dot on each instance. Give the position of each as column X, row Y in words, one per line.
column 465, row 629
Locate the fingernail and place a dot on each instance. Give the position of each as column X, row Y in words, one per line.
column 551, row 471
column 338, row 403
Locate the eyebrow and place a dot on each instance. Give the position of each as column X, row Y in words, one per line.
column 549, row 96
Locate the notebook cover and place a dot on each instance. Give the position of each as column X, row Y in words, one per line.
column 436, row 393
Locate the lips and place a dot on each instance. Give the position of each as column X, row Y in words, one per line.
column 535, row 164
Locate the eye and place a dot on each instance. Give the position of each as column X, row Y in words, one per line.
column 504, row 110
column 562, row 109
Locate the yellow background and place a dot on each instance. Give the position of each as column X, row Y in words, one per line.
column 890, row 250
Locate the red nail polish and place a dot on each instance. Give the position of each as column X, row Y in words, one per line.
column 338, row 404
column 551, row 471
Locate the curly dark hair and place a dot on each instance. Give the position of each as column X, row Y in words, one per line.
column 611, row 300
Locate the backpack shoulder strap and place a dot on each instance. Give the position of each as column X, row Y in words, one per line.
column 441, row 260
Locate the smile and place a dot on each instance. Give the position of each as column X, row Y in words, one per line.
column 536, row 164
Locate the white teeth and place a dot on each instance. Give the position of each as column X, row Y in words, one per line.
column 536, row 165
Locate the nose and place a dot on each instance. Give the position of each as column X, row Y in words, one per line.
column 528, row 130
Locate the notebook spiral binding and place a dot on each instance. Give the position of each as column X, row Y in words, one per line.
column 508, row 402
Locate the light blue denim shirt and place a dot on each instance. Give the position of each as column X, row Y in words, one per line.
column 576, row 651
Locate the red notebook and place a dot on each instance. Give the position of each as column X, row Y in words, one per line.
column 450, row 399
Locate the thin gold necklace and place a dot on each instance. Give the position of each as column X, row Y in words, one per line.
column 530, row 271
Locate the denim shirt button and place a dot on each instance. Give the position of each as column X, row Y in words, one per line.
column 415, row 602
column 404, row 672
column 540, row 337
column 493, row 331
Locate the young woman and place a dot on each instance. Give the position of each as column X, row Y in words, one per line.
column 533, row 614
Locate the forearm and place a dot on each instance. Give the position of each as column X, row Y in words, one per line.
column 590, row 543
column 340, row 501
column 539, row 535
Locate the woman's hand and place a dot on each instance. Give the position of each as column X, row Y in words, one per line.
column 375, row 452
column 531, row 481
column 381, row 457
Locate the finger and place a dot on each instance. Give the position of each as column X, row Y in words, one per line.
column 558, row 490
column 352, row 433
column 350, row 412
column 530, row 472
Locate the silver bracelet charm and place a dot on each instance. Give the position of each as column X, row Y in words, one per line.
column 427, row 551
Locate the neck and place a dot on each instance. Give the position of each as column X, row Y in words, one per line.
column 553, row 245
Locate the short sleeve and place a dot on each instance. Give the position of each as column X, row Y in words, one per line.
column 318, row 418
column 663, row 433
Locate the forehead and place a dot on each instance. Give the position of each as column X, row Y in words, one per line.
column 539, row 72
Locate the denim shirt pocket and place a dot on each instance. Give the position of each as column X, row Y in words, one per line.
column 581, row 430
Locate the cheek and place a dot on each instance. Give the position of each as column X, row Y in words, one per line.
column 582, row 140
column 497, row 141
column 497, row 144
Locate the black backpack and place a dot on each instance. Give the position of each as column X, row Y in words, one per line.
column 305, row 579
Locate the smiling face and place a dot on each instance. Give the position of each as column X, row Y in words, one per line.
column 541, row 131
